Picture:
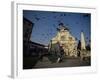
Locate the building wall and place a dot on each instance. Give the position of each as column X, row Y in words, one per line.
column 27, row 30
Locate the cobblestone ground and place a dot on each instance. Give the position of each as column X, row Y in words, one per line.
column 67, row 62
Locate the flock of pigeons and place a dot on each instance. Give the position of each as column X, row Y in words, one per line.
column 50, row 32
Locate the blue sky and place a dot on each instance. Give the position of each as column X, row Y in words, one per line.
column 46, row 24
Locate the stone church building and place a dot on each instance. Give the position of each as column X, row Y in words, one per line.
column 66, row 40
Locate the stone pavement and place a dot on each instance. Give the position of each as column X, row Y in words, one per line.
column 67, row 62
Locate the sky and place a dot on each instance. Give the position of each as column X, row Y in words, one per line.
column 46, row 24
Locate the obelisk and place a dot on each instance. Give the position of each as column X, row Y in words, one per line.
column 83, row 43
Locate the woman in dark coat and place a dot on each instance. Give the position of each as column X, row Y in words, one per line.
column 59, row 52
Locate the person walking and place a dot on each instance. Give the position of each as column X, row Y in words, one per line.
column 58, row 52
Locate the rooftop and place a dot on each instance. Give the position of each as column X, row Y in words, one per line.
column 61, row 26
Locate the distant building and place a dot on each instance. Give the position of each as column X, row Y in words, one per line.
column 37, row 49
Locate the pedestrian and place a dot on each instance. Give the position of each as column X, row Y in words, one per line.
column 61, row 52
column 58, row 52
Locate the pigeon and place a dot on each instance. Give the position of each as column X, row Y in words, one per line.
column 37, row 18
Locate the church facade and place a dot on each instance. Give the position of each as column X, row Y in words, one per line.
column 66, row 40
